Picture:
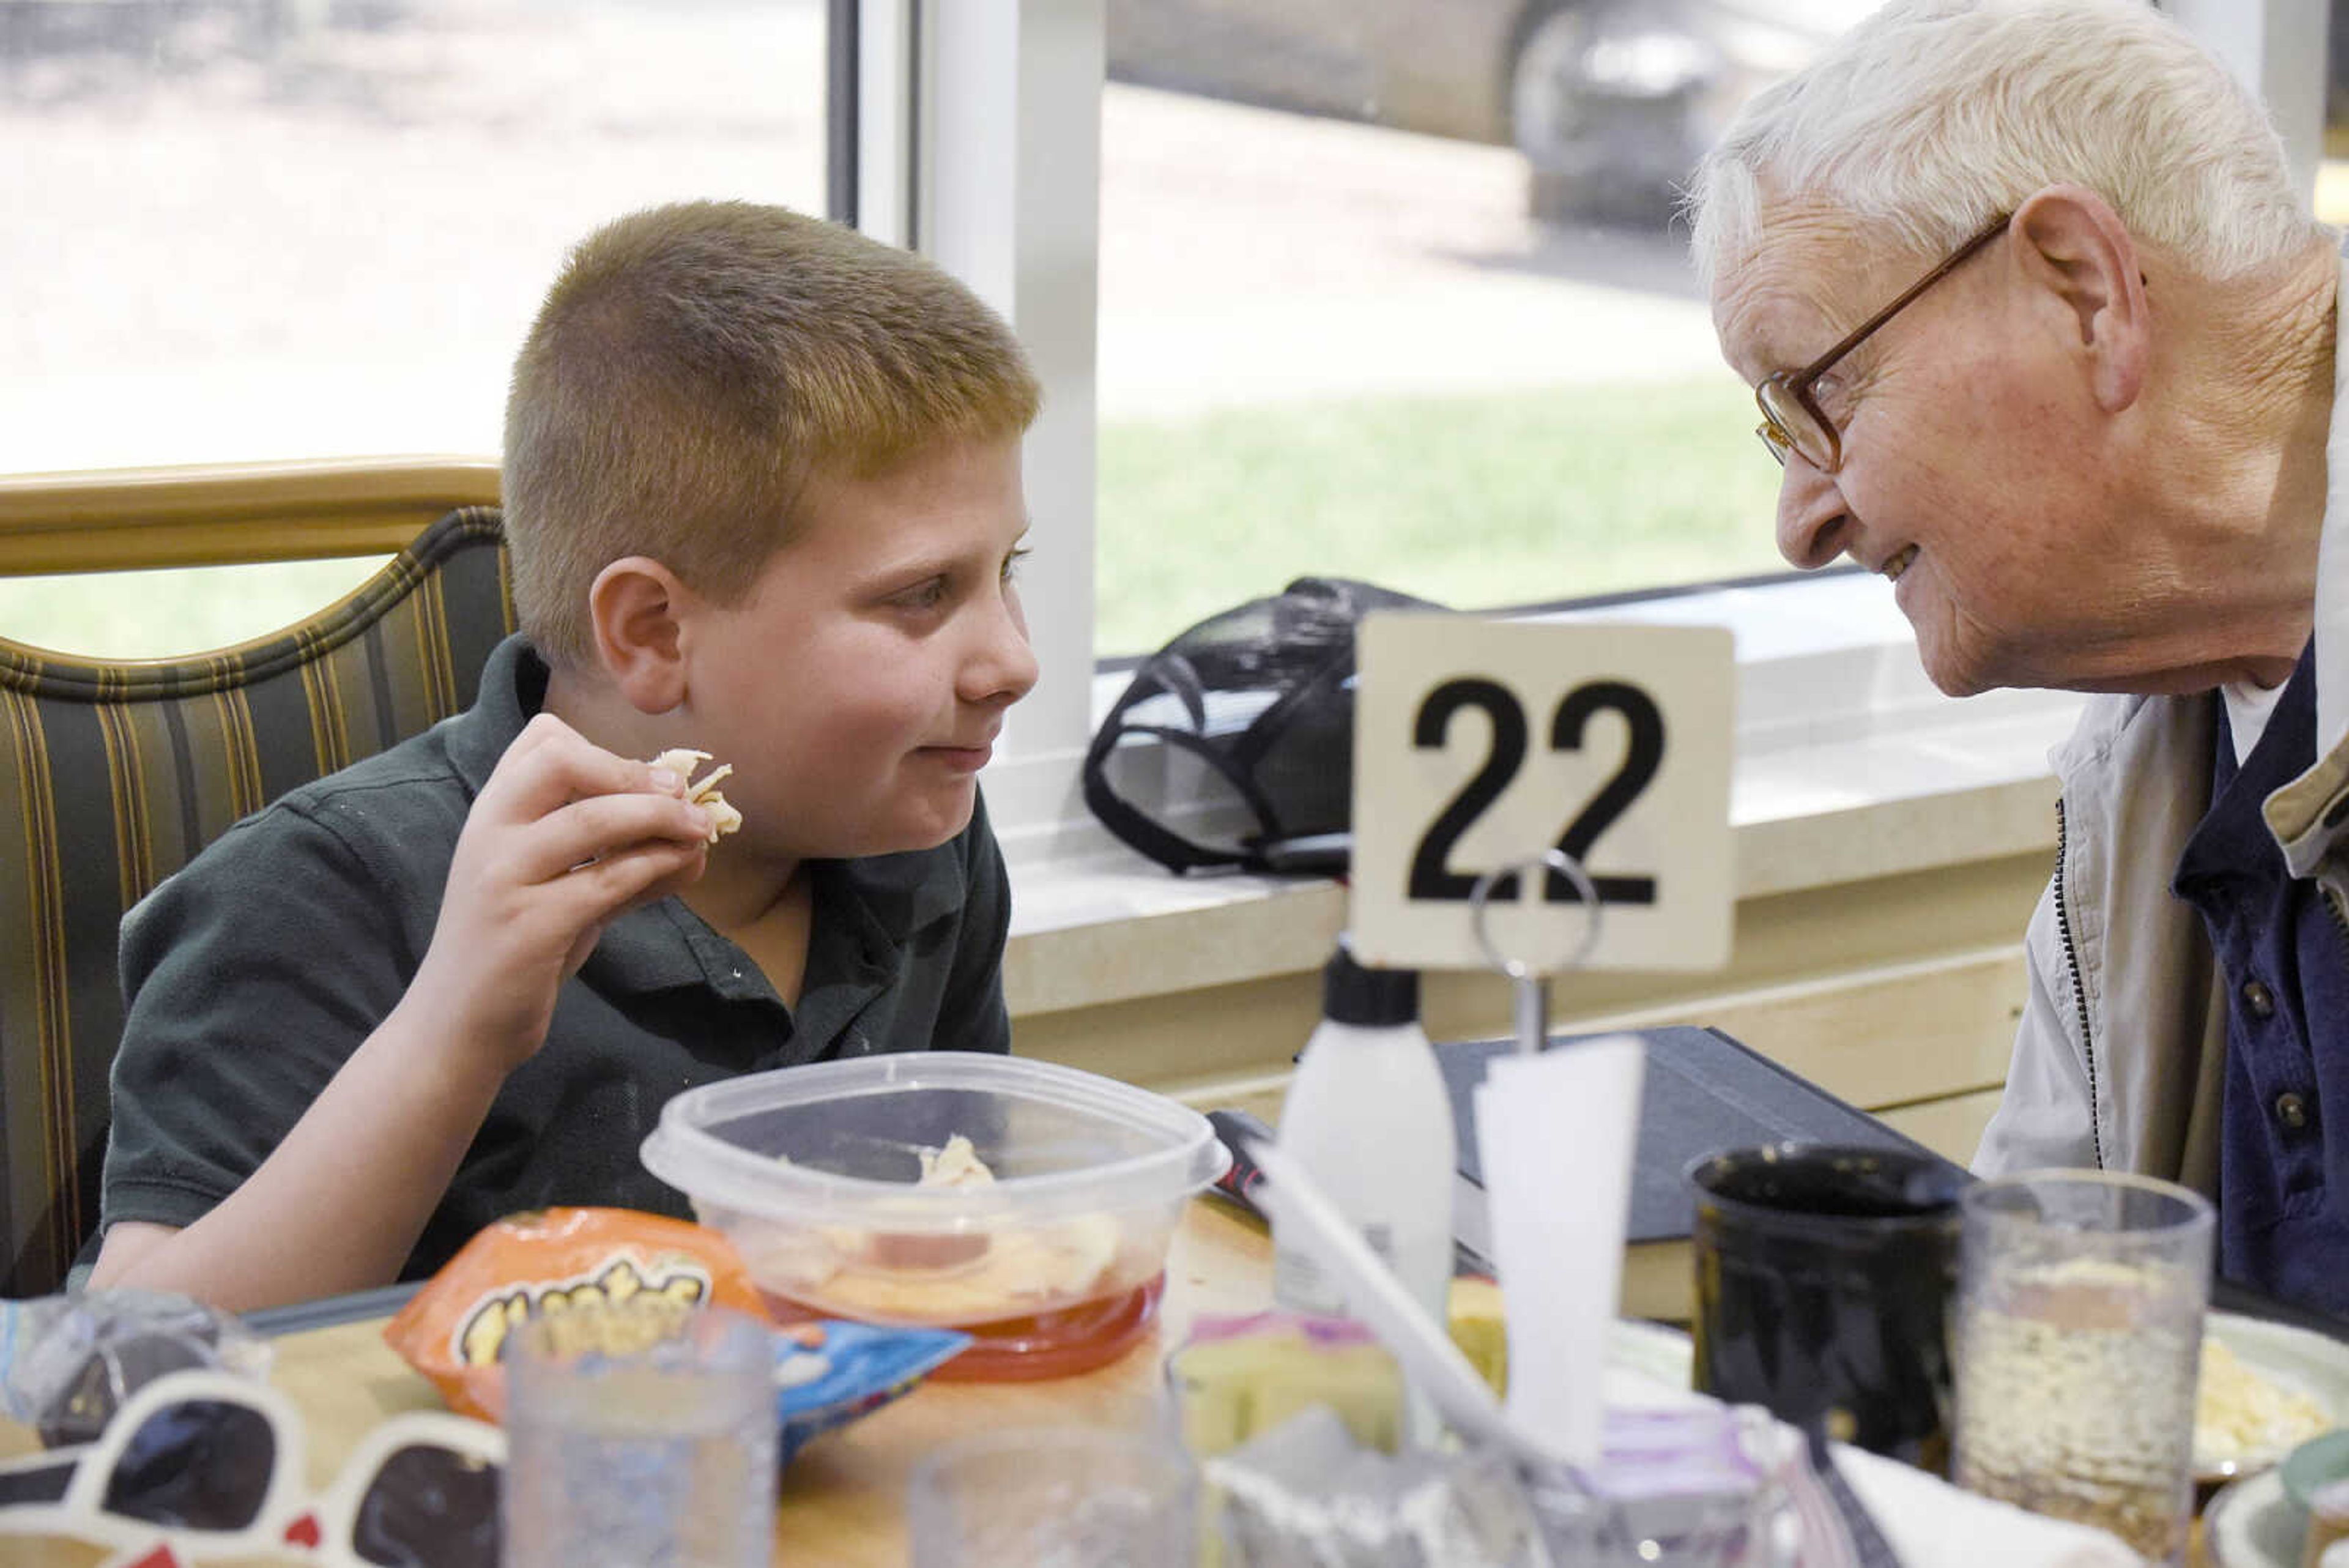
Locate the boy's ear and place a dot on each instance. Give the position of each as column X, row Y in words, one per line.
column 633, row 605
column 2075, row 249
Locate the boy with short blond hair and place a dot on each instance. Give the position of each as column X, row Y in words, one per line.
column 763, row 500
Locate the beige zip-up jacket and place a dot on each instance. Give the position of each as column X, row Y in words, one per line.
column 2122, row 1047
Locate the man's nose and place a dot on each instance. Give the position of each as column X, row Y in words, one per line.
column 1813, row 525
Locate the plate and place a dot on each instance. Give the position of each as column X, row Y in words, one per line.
column 2297, row 1359
column 2252, row 1524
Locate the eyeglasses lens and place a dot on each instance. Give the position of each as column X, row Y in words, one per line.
column 1795, row 426
column 203, row 1465
column 428, row 1508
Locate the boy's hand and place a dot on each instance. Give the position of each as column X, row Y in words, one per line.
column 564, row 837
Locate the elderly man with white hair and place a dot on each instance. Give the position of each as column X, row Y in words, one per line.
column 2041, row 332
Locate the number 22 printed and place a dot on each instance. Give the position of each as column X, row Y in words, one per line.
column 1482, row 744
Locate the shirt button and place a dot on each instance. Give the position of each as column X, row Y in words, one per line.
column 2292, row 1111
column 2259, row 999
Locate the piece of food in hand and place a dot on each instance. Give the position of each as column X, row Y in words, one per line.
column 703, row 791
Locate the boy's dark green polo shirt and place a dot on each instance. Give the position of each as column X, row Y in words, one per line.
column 254, row 974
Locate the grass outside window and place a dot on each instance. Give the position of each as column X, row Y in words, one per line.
column 1502, row 499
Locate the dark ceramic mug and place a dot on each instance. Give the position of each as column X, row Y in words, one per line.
column 1824, row 1279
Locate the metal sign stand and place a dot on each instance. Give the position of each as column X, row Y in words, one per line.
column 1530, row 1002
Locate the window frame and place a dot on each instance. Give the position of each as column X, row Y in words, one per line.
column 977, row 142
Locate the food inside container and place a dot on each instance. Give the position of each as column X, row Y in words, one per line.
column 1041, row 1228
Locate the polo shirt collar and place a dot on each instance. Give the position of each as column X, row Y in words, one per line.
column 513, row 689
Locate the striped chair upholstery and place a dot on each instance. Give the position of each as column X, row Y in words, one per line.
column 112, row 775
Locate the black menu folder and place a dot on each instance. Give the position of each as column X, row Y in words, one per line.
column 1702, row 1092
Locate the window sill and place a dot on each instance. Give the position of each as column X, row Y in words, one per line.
column 1848, row 767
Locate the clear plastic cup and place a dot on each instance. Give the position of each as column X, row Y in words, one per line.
column 1054, row 1497
column 640, row 1436
column 1700, row 1487
column 2080, row 1302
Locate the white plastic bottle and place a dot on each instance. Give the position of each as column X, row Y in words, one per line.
column 1368, row 1117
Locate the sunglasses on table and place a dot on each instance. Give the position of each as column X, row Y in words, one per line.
column 202, row 1467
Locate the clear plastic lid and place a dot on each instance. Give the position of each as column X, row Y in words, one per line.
column 841, row 1143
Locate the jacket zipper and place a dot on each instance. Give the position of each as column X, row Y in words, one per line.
column 2332, row 907
column 2079, row 987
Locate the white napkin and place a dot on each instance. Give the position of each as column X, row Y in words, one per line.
column 1932, row 1524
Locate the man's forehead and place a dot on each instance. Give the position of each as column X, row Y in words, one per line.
column 1803, row 281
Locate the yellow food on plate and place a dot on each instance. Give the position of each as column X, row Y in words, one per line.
column 681, row 760
column 2241, row 1414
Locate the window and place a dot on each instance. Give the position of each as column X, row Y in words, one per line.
column 253, row 229
column 1292, row 317
column 1136, row 173
column 1395, row 291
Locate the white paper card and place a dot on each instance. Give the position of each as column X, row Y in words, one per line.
column 1556, row 1134
column 1479, row 742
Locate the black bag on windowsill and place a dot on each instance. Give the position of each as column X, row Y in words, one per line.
column 1234, row 744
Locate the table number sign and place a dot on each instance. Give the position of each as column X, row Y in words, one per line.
column 1480, row 742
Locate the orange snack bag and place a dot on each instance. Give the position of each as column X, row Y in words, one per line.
column 548, row 1261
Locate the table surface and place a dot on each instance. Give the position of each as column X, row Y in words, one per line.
column 843, row 1497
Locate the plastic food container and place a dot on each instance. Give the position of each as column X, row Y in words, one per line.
column 1054, row 1266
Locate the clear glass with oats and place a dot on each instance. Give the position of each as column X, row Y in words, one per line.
column 2079, row 1327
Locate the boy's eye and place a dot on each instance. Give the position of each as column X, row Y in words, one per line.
column 1011, row 563
column 925, row 594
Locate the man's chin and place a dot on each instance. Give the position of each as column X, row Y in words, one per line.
column 1958, row 683
column 1956, row 671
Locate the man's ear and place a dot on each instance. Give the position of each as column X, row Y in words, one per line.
column 633, row 605
column 2069, row 243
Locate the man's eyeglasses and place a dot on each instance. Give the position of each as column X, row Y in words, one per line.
column 1792, row 420
column 202, row 1466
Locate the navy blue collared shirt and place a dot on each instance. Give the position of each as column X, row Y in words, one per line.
column 2286, row 962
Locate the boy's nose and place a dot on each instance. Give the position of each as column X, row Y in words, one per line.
column 1003, row 667
column 1813, row 525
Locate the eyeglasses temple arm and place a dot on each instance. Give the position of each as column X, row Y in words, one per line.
column 1820, row 365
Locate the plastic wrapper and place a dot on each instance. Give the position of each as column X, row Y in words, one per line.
column 1304, row 1495
column 549, row 1261
column 829, row 1373
column 68, row 1362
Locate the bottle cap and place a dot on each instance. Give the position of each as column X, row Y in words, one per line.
column 1374, row 998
